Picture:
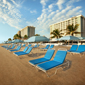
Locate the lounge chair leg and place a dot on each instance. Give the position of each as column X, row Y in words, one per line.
column 54, row 72
column 57, row 69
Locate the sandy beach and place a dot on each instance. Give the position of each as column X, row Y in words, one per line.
column 16, row 70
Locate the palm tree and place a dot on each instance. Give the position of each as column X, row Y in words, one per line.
column 55, row 33
column 37, row 34
column 9, row 39
column 25, row 37
column 71, row 29
column 16, row 36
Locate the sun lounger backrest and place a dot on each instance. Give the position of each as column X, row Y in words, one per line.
column 51, row 46
column 81, row 48
column 9, row 46
column 35, row 46
column 47, row 46
column 29, row 45
column 18, row 47
column 49, row 53
column 29, row 50
column 24, row 45
column 60, row 56
column 25, row 49
column 74, row 47
column 13, row 46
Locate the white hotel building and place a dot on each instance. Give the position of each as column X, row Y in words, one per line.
column 74, row 20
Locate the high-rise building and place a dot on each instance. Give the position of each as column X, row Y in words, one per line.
column 74, row 20
column 28, row 30
column 19, row 32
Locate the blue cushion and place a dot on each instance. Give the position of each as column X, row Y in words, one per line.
column 39, row 60
column 51, row 46
column 60, row 56
column 58, row 60
column 81, row 48
column 46, row 47
column 29, row 50
column 49, row 54
column 25, row 49
column 47, row 57
column 48, row 65
column 73, row 48
column 19, row 52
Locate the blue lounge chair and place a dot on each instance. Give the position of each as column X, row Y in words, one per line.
column 18, row 48
column 58, row 61
column 24, row 45
column 47, row 57
column 11, row 47
column 27, row 52
column 5, row 46
column 8, row 46
column 36, row 46
column 29, row 45
column 51, row 46
column 80, row 50
column 21, row 51
column 45, row 47
column 73, row 48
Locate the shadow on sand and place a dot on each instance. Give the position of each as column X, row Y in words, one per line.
column 32, row 55
column 67, row 66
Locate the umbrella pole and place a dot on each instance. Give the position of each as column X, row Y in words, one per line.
column 68, row 42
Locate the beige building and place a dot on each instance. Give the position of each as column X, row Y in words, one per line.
column 28, row 30
column 74, row 20
column 19, row 32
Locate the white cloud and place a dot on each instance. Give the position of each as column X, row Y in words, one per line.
column 70, row 2
column 33, row 11
column 59, row 3
column 73, row 11
column 43, row 2
column 10, row 14
column 51, row 14
column 15, row 3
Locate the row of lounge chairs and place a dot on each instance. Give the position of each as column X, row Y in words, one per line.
column 25, row 51
column 75, row 49
column 46, row 63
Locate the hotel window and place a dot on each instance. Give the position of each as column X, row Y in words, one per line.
column 68, row 21
column 75, row 20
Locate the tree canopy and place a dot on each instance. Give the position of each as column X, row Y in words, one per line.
column 71, row 29
column 25, row 37
column 16, row 36
column 37, row 34
column 56, row 33
column 9, row 39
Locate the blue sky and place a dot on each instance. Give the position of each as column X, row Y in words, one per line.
column 17, row 14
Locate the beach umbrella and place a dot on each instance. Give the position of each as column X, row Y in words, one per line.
column 9, row 42
column 81, row 38
column 5, row 42
column 37, row 39
column 17, row 41
column 68, row 38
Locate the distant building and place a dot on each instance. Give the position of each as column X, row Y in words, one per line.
column 28, row 30
column 74, row 20
column 19, row 32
